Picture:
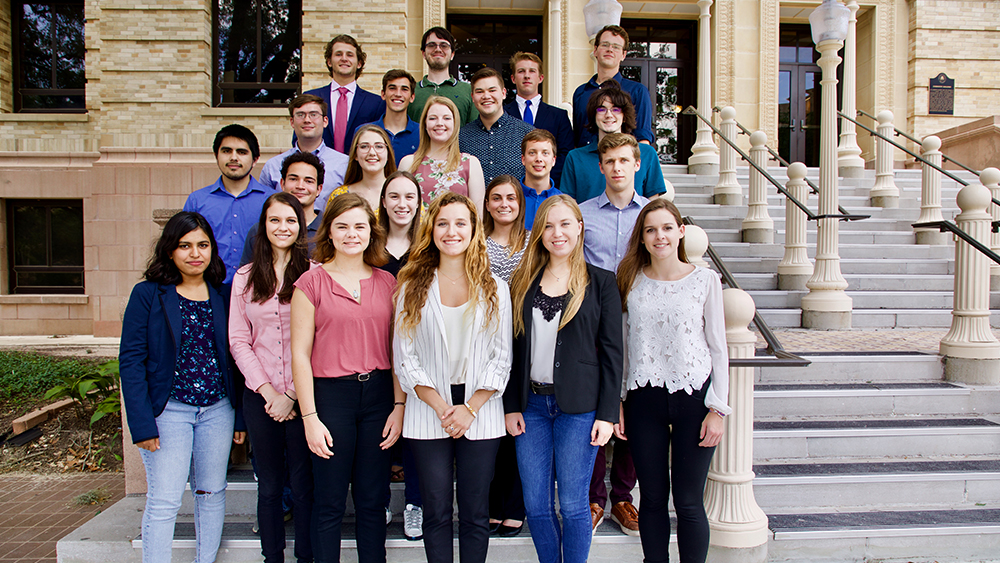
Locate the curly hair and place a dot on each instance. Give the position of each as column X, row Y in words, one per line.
column 618, row 98
column 637, row 256
column 414, row 280
column 362, row 56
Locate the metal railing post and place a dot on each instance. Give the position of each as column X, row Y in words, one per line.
column 795, row 268
column 728, row 191
column 758, row 225
column 930, row 193
column 884, row 193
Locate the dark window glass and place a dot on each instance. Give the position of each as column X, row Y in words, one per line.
column 49, row 61
column 45, row 245
column 491, row 41
column 258, row 52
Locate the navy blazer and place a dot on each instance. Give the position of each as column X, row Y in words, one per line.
column 365, row 108
column 589, row 358
column 151, row 335
column 556, row 121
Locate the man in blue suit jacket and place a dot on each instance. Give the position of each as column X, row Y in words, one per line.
column 345, row 59
column 526, row 71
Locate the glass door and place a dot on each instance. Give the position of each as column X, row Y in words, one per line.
column 799, row 97
column 482, row 41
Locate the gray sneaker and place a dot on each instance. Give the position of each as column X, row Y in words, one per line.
column 413, row 522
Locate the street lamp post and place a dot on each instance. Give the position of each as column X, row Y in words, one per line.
column 827, row 306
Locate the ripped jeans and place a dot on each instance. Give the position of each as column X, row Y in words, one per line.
column 194, row 441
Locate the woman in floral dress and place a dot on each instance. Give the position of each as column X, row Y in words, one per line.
column 438, row 164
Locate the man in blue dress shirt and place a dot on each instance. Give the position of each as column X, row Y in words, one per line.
column 232, row 204
column 538, row 154
column 610, row 47
column 404, row 133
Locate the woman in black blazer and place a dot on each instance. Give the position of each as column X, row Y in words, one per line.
column 178, row 385
column 562, row 399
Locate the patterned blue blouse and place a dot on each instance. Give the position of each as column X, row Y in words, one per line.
column 198, row 378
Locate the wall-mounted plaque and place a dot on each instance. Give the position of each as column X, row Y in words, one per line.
column 941, row 96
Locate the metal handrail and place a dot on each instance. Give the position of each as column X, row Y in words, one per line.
column 919, row 142
column 690, row 110
column 949, row 226
column 781, row 356
column 812, row 187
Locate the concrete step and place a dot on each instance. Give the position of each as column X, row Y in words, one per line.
column 859, row 282
column 824, row 400
column 857, row 368
column 852, row 266
column 900, row 299
column 875, row 318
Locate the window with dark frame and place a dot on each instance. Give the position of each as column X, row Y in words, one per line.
column 258, row 52
column 45, row 245
column 482, row 41
column 49, row 63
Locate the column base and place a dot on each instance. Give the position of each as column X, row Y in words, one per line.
column 704, row 169
column 885, row 201
column 972, row 371
column 932, row 238
column 826, row 320
column 851, row 171
column 719, row 554
column 728, row 199
column 793, row 282
column 765, row 236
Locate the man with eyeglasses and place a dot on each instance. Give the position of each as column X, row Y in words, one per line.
column 308, row 120
column 610, row 48
column 438, row 47
column 404, row 133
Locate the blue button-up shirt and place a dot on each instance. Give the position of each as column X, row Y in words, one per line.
column 405, row 142
column 533, row 199
column 640, row 99
column 334, row 168
column 230, row 217
column 582, row 178
column 606, row 229
column 499, row 148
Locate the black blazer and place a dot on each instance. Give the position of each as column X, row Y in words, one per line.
column 589, row 353
column 556, row 121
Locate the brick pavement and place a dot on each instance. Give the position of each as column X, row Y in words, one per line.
column 37, row 510
column 852, row 341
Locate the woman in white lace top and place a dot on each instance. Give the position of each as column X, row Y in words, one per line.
column 676, row 379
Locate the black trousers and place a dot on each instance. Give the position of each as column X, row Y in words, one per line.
column 465, row 466
column 506, row 495
column 649, row 414
column 355, row 413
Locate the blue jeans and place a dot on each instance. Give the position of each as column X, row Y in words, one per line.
column 195, row 442
column 555, row 445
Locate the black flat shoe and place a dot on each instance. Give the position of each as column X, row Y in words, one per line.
column 494, row 526
column 509, row 531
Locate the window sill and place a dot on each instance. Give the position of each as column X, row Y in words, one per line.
column 248, row 111
column 46, row 117
column 44, row 299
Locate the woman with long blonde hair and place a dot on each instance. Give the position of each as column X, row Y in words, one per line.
column 371, row 162
column 451, row 351
column 438, row 163
column 565, row 382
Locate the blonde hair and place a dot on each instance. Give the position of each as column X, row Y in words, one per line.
column 451, row 147
column 536, row 257
column 414, row 280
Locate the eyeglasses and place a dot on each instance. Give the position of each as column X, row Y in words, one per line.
column 444, row 46
column 301, row 115
column 611, row 46
column 367, row 147
column 616, row 111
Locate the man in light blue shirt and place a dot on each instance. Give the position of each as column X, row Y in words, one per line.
column 308, row 118
column 232, row 204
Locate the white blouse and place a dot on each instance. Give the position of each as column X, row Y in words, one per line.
column 675, row 336
column 457, row 328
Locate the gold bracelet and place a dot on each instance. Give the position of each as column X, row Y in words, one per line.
column 310, row 414
column 471, row 410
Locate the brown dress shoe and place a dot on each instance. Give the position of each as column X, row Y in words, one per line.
column 626, row 516
column 596, row 515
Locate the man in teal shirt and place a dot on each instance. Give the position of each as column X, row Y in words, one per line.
column 438, row 47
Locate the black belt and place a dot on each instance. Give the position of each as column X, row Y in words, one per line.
column 543, row 388
column 363, row 376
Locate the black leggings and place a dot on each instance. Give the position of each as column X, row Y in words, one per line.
column 649, row 414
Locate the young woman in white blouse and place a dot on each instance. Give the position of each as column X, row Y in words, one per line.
column 677, row 376
column 451, row 352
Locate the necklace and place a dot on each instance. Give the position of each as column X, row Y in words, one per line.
column 553, row 274
column 447, row 277
column 356, row 293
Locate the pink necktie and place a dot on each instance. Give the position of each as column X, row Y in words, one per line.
column 340, row 123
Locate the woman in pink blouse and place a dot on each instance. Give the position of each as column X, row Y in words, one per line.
column 259, row 325
column 352, row 405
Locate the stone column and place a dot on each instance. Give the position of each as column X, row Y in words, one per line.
column 758, row 225
column 695, row 245
column 972, row 353
column 827, row 306
column 795, row 268
column 704, row 154
column 930, row 194
column 728, row 191
column 553, row 59
column 990, row 177
column 849, row 159
column 739, row 526
column 884, row 193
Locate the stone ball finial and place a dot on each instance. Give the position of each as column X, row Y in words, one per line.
column 885, row 116
column 989, row 176
column 695, row 245
column 738, row 308
column 758, row 139
column 727, row 113
column 974, row 197
column 931, row 143
column 796, row 171
column 669, row 194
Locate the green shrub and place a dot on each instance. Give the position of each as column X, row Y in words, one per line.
column 94, row 392
column 27, row 375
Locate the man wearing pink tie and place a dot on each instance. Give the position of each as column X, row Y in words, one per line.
column 350, row 105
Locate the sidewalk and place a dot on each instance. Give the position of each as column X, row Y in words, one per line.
column 38, row 510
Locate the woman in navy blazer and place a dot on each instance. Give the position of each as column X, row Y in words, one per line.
column 178, row 385
column 566, row 377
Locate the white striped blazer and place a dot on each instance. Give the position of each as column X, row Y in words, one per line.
column 421, row 358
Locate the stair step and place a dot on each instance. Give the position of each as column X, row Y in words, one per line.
column 881, row 369
column 867, row 399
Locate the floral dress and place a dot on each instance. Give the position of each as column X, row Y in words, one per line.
column 434, row 180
